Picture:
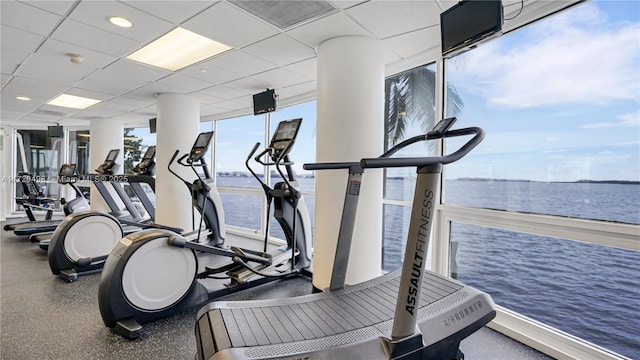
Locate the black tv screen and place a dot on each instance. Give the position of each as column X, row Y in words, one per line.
column 152, row 126
column 55, row 131
column 469, row 22
column 264, row 102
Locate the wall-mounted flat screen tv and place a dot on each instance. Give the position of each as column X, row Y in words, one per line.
column 55, row 131
column 468, row 22
column 152, row 125
column 264, row 102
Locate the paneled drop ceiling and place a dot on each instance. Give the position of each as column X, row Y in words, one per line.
column 270, row 49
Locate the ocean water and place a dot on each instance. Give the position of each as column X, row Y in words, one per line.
column 590, row 291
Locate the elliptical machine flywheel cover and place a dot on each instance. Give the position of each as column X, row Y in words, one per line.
column 156, row 275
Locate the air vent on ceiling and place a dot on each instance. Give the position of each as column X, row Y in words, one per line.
column 285, row 14
column 50, row 113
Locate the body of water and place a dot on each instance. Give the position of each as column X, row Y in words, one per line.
column 590, row 291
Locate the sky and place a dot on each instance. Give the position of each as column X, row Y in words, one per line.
column 559, row 101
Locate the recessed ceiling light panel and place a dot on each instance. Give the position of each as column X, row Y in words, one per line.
column 72, row 101
column 177, row 49
column 120, row 21
column 23, row 98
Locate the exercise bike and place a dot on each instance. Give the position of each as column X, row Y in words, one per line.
column 411, row 313
column 157, row 273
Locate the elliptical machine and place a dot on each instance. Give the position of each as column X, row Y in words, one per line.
column 157, row 273
column 82, row 241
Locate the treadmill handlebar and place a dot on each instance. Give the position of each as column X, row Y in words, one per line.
column 386, row 162
column 331, row 165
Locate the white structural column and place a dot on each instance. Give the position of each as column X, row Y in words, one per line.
column 177, row 126
column 8, row 176
column 350, row 112
column 106, row 134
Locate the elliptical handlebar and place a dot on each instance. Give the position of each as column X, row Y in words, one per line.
column 253, row 151
column 181, row 160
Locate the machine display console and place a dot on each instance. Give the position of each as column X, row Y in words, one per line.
column 441, row 127
column 200, row 146
column 67, row 174
column 109, row 163
column 146, row 165
column 284, row 136
column 113, row 154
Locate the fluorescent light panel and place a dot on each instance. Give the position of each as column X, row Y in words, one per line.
column 72, row 101
column 177, row 49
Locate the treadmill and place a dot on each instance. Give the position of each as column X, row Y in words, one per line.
column 66, row 176
column 411, row 313
column 33, row 198
column 124, row 209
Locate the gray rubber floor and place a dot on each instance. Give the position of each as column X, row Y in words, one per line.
column 42, row 317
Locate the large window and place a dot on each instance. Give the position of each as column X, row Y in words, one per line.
column 409, row 111
column 241, row 193
column 559, row 102
column 41, row 156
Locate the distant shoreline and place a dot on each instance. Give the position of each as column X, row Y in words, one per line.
column 242, row 174
column 582, row 181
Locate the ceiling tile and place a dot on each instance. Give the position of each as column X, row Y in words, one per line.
column 38, row 67
column 184, row 82
column 344, row 4
column 414, row 42
column 213, row 109
column 4, row 80
column 129, row 74
column 130, row 103
column 105, row 87
column 11, row 104
column 307, row 68
column 83, row 35
column 296, row 90
column 281, row 50
column 8, row 67
column 102, row 110
column 389, row 18
column 37, row 90
column 238, row 103
column 279, row 78
column 91, row 59
column 205, row 98
column 229, row 25
column 27, row 17
column 325, row 28
column 223, row 92
column 175, row 12
column 158, row 88
column 208, row 72
column 59, row 7
column 17, row 44
column 248, row 86
column 240, row 62
column 146, row 27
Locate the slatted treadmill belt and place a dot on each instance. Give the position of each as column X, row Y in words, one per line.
column 314, row 316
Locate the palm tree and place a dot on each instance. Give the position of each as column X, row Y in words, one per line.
column 411, row 99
